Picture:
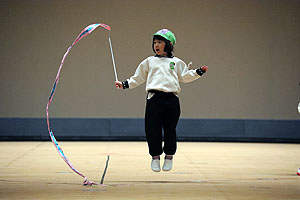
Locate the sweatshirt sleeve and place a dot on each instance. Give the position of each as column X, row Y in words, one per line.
column 185, row 74
column 139, row 76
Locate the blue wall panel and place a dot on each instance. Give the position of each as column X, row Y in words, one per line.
column 20, row 129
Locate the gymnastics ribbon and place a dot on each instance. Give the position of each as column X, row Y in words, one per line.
column 89, row 29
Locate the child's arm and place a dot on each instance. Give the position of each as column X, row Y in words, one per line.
column 138, row 78
column 186, row 75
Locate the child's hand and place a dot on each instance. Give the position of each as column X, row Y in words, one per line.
column 201, row 70
column 118, row 84
column 204, row 68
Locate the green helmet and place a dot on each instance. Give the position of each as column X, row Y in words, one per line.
column 167, row 34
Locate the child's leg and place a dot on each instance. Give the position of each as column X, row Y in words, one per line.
column 171, row 118
column 153, row 126
column 170, row 123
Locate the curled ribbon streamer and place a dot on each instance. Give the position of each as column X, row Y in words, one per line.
column 89, row 29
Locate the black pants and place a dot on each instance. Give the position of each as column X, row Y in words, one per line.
column 162, row 112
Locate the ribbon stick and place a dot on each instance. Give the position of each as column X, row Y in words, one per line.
column 89, row 29
column 112, row 56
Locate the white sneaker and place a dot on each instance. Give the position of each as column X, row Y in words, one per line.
column 155, row 165
column 168, row 164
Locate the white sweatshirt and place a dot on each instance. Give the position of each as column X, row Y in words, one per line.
column 163, row 74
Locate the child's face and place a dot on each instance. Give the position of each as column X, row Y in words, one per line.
column 159, row 46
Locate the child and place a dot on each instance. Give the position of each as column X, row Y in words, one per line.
column 162, row 74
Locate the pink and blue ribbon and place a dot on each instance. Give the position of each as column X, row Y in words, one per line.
column 89, row 29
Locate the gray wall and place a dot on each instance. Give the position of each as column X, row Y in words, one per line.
column 252, row 49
